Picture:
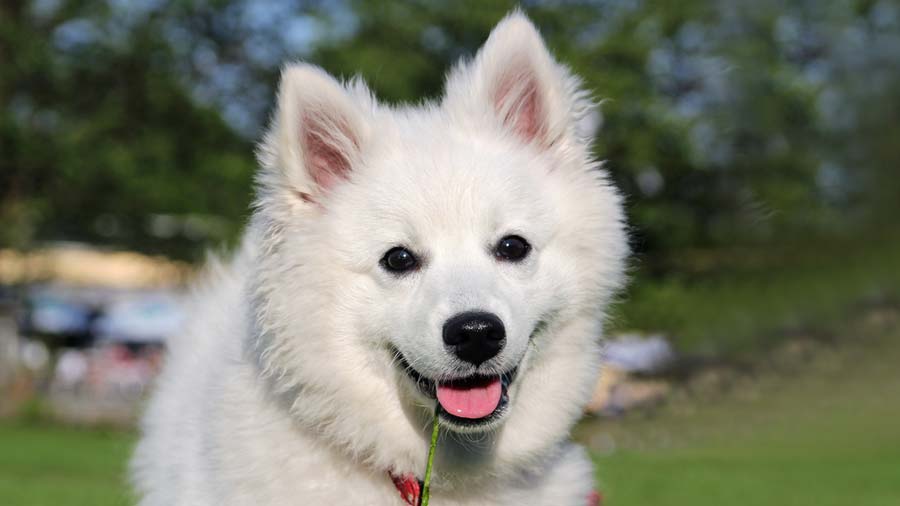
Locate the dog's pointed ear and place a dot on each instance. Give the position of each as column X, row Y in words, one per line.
column 319, row 132
column 516, row 80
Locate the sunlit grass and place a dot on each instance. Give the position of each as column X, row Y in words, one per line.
column 828, row 436
column 43, row 465
column 737, row 309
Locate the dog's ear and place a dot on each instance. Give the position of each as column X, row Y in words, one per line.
column 516, row 80
column 319, row 132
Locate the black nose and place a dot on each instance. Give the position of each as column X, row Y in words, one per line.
column 475, row 337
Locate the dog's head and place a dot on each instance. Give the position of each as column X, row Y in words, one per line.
column 457, row 253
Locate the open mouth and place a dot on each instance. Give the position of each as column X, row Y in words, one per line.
column 469, row 402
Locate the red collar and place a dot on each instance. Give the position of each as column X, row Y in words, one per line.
column 411, row 491
column 409, row 487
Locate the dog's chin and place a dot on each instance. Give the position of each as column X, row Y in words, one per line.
column 454, row 412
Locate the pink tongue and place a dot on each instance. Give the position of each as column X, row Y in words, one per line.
column 473, row 402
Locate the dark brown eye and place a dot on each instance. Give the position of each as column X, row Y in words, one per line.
column 399, row 260
column 512, row 248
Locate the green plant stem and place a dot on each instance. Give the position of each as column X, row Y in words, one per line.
column 426, row 483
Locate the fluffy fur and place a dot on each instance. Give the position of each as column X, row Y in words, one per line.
column 286, row 388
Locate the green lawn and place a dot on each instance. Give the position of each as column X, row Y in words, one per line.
column 830, row 436
column 43, row 465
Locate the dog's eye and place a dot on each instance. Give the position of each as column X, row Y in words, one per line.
column 512, row 248
column 399, row 260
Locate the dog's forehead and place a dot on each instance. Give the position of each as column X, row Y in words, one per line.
column 446, row 185
column 453, row 175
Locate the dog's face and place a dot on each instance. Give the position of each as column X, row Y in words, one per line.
column 458, row 266
column 456, row 254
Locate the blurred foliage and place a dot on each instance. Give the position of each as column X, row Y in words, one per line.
column 728, row 124
column 101, row 140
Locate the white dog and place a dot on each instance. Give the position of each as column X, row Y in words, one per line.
column 457, row 253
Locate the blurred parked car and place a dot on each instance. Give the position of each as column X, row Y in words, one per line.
column 57, row 319
column 143, row 319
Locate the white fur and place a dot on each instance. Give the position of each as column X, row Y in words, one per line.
column 285, row 389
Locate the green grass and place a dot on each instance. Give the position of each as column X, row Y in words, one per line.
column 43, row 465
column 830, row 436
column 739, row 301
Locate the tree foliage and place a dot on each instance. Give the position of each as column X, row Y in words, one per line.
column 726, row 123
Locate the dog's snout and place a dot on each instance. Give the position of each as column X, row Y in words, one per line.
column 475, row 337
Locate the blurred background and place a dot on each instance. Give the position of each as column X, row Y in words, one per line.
column 753, row 360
